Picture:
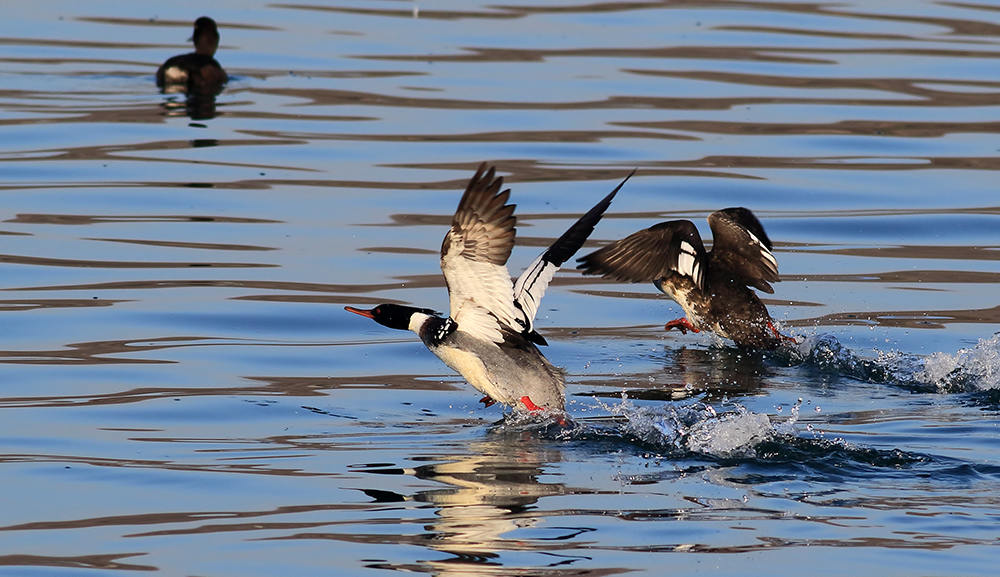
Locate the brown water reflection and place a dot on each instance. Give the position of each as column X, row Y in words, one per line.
column 906, row 319
column 911, row 88
column 105, row 264
column 112, row 561
column 82, row 219
column 900, row 129
column 261, row 386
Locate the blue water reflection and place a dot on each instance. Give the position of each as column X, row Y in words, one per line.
column 183, row 391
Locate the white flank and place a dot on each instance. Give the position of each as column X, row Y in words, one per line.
column 472, row 370
column 175, row 74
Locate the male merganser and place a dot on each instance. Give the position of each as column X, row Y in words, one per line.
column 197, row 71
column 489, row 337
column 712, row 287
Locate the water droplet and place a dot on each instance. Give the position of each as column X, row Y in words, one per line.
column 817, row 408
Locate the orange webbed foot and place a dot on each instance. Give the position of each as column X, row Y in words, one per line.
column 528, row 404
column 535, row 409
column 682, row 324
column 779, row 336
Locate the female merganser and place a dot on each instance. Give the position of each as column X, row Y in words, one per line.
column 712, row 287
column 489, row 337
column 197, row 71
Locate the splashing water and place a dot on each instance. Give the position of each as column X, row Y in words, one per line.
column 968, row 370
column 696, row 428
column 975, row 369
column 736, row 432
column 827, row 353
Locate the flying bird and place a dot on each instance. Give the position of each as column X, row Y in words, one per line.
column 489, row 336
column 713, row 287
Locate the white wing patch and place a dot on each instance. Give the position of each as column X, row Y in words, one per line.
column 530, row 288
column 764, row 252
column 687, row 262
column 480, row 293
column 476, row 321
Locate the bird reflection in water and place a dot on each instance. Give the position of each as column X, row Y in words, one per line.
column 711, row 374
column 195, row 106
column 490, row 492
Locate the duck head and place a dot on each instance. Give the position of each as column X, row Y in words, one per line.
column 206, row 36
column 394, row 316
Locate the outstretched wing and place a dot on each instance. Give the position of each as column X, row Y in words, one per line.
column 740, row 246
column 663, row 249
column 474, row 258
column 530, row 286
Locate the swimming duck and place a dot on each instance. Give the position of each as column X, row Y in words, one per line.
column 489, row 337
column 713, row 287
column 197, row 71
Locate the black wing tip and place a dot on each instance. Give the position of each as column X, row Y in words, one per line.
column 598, row 210
column 612, row 194
column 605, row 202
column 536, row 338
column 586, row 263
column 572, row 240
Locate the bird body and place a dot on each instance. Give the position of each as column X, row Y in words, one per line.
column 505, row 373
column 489, row 336
column 198, row 71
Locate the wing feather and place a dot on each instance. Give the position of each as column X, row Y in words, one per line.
column 531, row 285
column 673, row 247
column 474, row 258
column 740, row 245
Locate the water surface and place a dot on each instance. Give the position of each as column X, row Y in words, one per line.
column 183, row 392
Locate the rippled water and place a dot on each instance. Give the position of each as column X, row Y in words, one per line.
column 183, row 392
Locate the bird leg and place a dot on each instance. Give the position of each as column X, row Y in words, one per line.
column 487, row 401
column 780, row 336
column 683, row 324
column 532, row 407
